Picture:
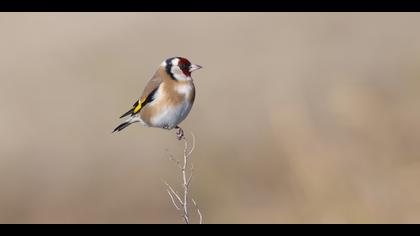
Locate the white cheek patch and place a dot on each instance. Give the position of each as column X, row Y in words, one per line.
column 175, row 61
column 178, row 74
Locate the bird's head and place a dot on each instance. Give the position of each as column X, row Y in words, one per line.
column 179, row 68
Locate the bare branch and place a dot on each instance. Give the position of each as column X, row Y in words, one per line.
column 191, row 174
column 193, row 145
column 189, row 180
column 198, row 210
column 187, row 170
column 184, row 178
column 185, row 147
column 173, row 200
column 174, row 193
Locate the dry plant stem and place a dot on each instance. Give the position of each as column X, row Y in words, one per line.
column 184, row 177
column 198, row 210
column 173, row 200
column 183, row 200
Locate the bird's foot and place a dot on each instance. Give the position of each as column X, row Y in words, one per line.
column 179, row 133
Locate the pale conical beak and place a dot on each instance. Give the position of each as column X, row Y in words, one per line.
column 194, row 67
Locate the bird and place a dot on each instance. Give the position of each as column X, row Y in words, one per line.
column 167, row 98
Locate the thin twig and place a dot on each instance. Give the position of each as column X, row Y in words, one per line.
column 192, row 146
column 174, row 193
column 184, row 178
column 187, row 170
column 198, row 211
column 173, row 200
column 189, row 180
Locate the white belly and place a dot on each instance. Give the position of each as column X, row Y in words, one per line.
column 170, row 117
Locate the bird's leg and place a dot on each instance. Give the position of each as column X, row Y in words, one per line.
column 179, row 133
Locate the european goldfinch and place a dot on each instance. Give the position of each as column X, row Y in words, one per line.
column 167, row 98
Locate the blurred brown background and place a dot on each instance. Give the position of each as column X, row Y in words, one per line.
column 299, row 117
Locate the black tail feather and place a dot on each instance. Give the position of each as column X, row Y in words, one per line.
column 128, row 113
column 122, row 126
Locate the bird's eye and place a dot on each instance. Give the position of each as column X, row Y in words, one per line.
column 183, row 66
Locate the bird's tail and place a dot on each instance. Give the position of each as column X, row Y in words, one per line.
column 125, row 124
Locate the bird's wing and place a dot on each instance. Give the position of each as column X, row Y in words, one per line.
column 147, row 96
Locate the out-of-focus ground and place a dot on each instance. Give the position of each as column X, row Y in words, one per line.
column 299, row 117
